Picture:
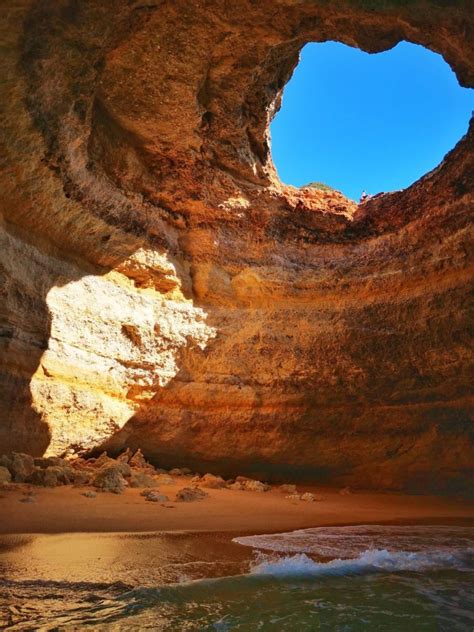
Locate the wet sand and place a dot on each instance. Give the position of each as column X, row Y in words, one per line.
column 66, row 510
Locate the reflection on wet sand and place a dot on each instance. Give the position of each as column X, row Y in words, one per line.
column 145, row 559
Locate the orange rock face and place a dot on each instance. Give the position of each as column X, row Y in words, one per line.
column 160, row 288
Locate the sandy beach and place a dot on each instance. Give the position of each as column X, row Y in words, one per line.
column 68, row 560
column 67, row 510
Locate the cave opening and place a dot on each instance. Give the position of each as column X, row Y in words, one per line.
column 359, row 122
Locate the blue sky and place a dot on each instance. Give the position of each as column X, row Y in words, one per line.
column 376, row 122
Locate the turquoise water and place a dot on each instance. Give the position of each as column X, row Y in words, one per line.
column 339, row 578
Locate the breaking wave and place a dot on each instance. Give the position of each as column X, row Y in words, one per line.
column 372, row 560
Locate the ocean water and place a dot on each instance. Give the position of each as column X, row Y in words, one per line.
column 347, row 579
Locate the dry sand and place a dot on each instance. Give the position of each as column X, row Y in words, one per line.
column 66, row 510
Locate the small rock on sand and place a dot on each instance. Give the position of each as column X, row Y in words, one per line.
column 345, row 491
column 89, row 494
column 28, row 499
column 155, row 497
column 306, row 497
column 188, row 494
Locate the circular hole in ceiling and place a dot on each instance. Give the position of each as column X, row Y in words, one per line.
column 357, row 122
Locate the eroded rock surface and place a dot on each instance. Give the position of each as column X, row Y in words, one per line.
column 160, row 288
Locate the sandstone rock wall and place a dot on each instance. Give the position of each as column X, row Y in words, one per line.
column 160, row 288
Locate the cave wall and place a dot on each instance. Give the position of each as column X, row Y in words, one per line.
column 160, row 288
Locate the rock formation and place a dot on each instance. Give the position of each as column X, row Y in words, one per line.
column 160, row 288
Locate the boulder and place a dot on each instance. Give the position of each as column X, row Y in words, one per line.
column 125, row 457
column 106, row 461
column 139, row 478
column 212, row 481
column 20, row 465
column 52, row 476
column 124, row 468
column 83, row 476
column 252, row 485
column 5, row 476
column 138, row 461
column 256, row 486
column 110, row 479
column 189, row 494
column 100, row 461
column 293, row 497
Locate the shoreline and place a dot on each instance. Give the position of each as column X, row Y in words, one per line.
column 66, row 510
column 438, row 521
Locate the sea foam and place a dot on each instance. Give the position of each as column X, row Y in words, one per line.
column 350, row 541
column 373, row 560
column 362, row 549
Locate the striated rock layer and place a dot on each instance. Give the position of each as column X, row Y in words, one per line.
column 160, row 288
